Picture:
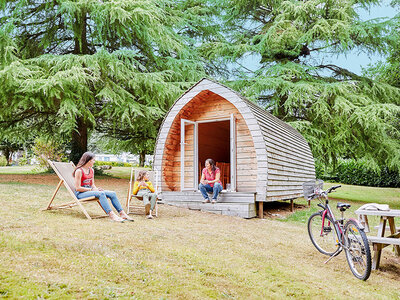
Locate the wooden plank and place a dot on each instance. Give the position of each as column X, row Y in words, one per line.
column 277, row 167
column 282, row 197
column 274, row 152
column 384, row 240
column 298, row 177
column 281, row 187
column 390, row 213
column 293, row 173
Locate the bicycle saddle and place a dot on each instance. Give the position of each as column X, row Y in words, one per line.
column 343, row 206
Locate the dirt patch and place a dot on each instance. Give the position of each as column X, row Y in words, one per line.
column 277, row 210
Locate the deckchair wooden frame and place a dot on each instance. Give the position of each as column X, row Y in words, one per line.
column 138, row 209
column 76, row 201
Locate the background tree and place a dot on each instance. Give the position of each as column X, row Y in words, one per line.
column 8, row 149
column 68, row 67
column 340, row 113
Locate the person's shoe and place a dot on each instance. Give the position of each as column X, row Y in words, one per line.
column 206, row 201
column 118, row 221
column 213, row 201
column 125, row 216
column 115, row 218
column 149, row 217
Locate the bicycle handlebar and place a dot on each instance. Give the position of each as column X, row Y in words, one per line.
column 332, row 188
column 324, row 193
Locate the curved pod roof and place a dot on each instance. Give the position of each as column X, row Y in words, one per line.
column 284, row 159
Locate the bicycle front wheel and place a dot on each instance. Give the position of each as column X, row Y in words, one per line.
column 323, row 237
column 357, row 250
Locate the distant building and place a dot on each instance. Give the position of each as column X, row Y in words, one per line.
column 123, row 157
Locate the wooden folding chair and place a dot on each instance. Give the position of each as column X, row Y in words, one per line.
column 134, row 203
column 64, row 171
column 224, row 169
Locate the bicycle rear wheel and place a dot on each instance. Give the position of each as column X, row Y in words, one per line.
column 323, row 238
column 357, row 250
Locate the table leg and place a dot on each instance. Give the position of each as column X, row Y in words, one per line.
column 364, row 222
column 378, row 247
column 392, row 227
column 377, row 256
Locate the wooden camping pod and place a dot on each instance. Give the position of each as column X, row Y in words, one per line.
column 267, row 159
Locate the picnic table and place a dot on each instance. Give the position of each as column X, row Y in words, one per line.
column 381, row 241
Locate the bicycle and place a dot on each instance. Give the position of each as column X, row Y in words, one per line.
column 330, row 235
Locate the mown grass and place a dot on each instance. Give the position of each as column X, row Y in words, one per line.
column 121, row 172
column 181, row 255
column 117, row 172
column 20, row 170
column 366, row 194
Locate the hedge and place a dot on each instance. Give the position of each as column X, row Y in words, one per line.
column 357, row 173
column 113, row 163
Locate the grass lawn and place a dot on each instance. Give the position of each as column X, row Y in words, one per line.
column 118, row 172
column 366, row 194
column 183, row 254
column 19, row 170
column 121, row 172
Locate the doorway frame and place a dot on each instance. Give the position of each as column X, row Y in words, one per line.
column 232, row 147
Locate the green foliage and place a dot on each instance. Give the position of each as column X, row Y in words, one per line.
column 47, row 150
column 113, row 163
column 23, row 161
column 341, row 114
column 359, row 173
column 3, row 161
column 114, row 66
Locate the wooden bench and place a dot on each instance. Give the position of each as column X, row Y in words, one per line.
column 381, row 241
column 384, row 240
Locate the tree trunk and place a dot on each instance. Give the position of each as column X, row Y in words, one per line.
column 142, row 158
column 281, row 112
column 80, row 40
column 7, row 154
column 79, row 141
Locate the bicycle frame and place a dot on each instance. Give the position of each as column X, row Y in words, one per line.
column 337, row 224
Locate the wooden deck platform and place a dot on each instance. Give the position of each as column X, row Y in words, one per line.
column 230, row 203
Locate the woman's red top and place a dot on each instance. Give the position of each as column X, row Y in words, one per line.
column 87, row 179
column 208, row 176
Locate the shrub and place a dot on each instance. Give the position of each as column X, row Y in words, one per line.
column 47, row 149
column 3, row 161
column 358, row 173
column 23, row 161
column 112, row 163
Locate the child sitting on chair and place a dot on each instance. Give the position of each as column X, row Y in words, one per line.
column 144, row 187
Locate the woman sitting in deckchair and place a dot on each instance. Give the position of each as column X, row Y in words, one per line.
column 85, row 187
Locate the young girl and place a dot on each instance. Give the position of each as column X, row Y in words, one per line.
column 85, row 187
column 144, row 187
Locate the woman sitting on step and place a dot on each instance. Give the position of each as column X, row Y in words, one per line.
column 209, row 182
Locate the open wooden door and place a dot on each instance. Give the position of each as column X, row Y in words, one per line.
column 189, row 155
column 233, row 152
